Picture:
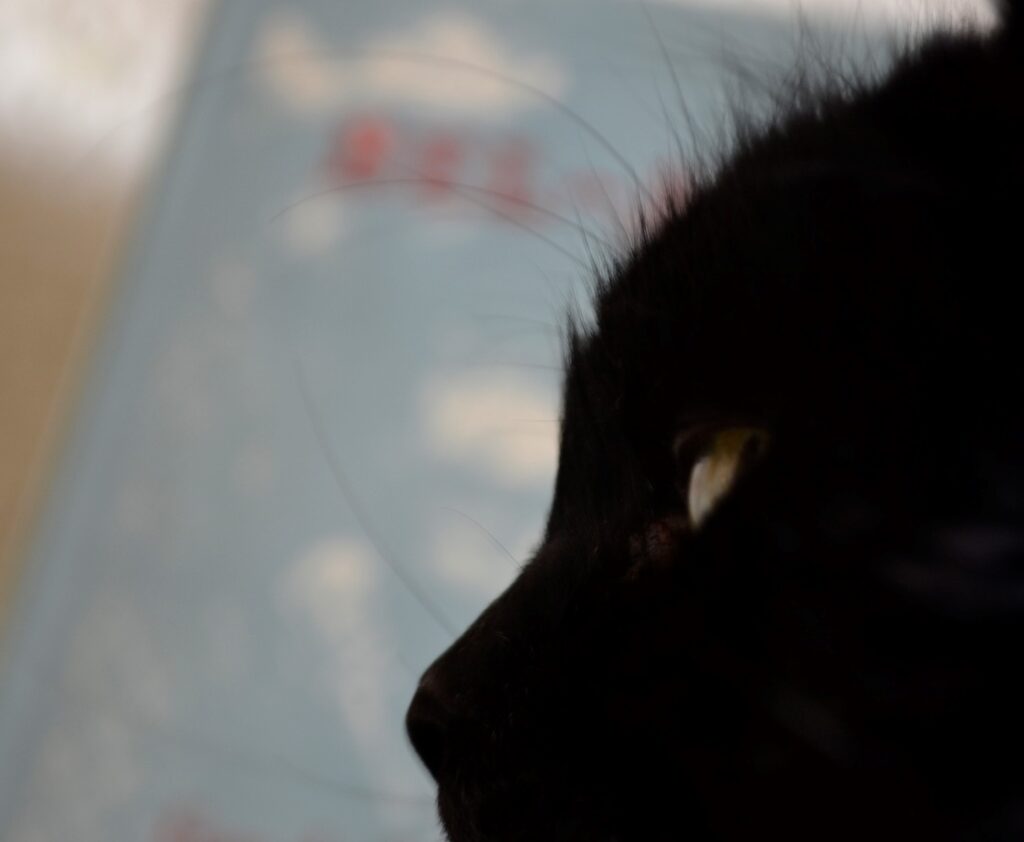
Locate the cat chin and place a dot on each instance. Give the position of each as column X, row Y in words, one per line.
column 538, row 817
column 493, row 820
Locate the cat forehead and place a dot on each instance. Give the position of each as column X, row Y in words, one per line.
column 747, row 298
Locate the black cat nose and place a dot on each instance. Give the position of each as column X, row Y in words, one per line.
column 428, row 723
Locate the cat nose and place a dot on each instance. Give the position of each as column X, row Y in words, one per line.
column 428, row 723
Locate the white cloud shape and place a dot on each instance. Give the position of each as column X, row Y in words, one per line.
column 313, row 225
column 338, row 586
column 501, row 425
column 450, row 61
column 332, row 586
column 90, row 763
column 468, row 560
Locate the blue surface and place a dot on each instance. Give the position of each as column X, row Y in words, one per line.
column 210, row 644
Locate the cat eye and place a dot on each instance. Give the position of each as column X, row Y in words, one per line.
column 715, row 459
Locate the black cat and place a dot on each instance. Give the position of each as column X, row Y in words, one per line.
column 781, row 589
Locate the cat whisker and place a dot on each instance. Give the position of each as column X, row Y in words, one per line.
column 680, row 97
column 594, row 270
column 242, row 70
column 548, row 326
column 466, row 192
column 246, row 761
column 356, row 507
column 556, row 103
column 613, row 211
column 535, row 420
column 512, row 364
column 490, row 535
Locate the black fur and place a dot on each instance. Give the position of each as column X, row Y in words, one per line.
column 837, row 652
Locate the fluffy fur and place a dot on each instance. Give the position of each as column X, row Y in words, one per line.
column 835, row 652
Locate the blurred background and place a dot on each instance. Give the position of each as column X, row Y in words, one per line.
column 281, row 287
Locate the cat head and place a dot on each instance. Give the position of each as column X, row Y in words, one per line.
column 780, row 588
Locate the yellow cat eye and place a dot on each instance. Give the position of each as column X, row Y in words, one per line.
column 716, row 469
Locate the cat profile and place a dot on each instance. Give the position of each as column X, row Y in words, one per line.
column 780, row 592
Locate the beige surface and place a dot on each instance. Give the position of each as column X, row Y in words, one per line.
column 73, row 72
column 56, row 255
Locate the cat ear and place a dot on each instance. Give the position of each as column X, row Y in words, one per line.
column 710, row 462
column 1012, row 15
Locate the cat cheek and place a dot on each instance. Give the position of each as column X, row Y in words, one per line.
column 654, row 547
